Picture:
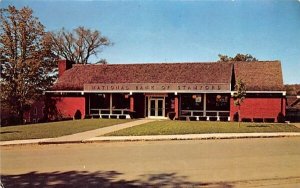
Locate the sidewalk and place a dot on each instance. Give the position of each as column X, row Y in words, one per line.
column 79, row 137
column 95, row 136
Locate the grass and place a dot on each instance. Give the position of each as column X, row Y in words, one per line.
column 54, row 129
column 192, row 127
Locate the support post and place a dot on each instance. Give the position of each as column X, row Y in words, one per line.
column 110, row 103
column 176, row 109
column 131, row 103
column 204, row 105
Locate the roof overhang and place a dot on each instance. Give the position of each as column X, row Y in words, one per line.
column 281, row 92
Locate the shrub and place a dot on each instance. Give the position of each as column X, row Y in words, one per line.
column 223, row 118
column 193, row 118
column 269, row 120
column 77, row 114
column 182, row 118
column 246, row 120
column 202, row 118
column 257, row 120
column 236, row 117
column 171, row 115
column 280, row 118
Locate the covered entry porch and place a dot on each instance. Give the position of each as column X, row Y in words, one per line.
column 182, row 106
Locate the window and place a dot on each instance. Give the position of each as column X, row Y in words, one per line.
column 35, row 111
column 217, row 102
column 99, row 101
column 192, row 102
column 120, row 101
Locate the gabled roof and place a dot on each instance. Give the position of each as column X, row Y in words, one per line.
column 260, row 76
column 76, row 77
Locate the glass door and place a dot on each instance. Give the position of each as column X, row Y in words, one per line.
column 152, row 107
column 160, row 107
column 156, row 107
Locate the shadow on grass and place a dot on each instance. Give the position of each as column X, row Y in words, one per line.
column 100, row 179
column 259, row 126
column 9, row 132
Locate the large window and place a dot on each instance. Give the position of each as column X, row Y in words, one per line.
column 192, row 102
column 218, row 102
column 99, row 101
column 120, row 101
column 102, row 101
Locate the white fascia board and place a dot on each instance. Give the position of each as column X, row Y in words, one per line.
column 159, row 91
column 64, row 91
column 282, row 92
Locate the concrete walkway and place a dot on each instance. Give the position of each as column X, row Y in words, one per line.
column 79, row 137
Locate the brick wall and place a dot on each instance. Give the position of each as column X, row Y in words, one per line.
column 259, row 108
column 67, row 106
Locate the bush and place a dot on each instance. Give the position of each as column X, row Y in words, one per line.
column 269, row 120
column 192, row 118
column 132, row 114
column 11, row 121
column 77, row 114
column 122, row 116
column 258, row 120
column 223, row 118
column 236, row 117
column 113, row 117
column 183, row 118
column 171, row 115
column 87, row 117
column 246, row 120
column 202, row 118
column 280, row 118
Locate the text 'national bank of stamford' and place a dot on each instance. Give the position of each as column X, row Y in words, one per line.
column 155, row 87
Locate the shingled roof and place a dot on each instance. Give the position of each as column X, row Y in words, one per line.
column 257, row 75
column 260, row 76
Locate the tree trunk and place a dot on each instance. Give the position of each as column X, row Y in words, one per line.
column 239, row 112
column 20, row 114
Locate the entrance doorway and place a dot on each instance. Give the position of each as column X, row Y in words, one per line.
column 156, row 107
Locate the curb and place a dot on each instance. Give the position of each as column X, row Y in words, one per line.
column 61, row 142
column 187, row 137
column 48, row 141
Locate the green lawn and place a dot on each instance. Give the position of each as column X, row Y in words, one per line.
column 168, row 127
column 54, row 129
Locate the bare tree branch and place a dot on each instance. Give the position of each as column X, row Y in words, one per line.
column 78, row 46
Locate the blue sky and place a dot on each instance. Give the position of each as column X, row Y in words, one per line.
column 183, row 31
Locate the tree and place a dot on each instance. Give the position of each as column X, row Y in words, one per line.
column 27, row 65
column 238, row 57
column 102, row 61
column 239, row 96
column 78, row 46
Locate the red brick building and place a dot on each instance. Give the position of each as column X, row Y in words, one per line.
column 195, row 91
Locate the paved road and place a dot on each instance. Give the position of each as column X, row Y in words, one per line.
column 272, row 162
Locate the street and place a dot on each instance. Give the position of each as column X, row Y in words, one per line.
column 265, row 162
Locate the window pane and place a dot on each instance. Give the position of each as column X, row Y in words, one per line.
column 192, row 101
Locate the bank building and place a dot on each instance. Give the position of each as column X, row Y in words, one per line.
column 199, row 91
